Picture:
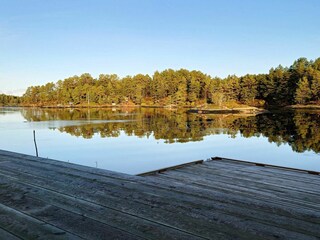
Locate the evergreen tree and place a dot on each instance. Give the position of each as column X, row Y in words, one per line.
column 248, row 85
column 303, row 93
column 315, row 87
column 281, row 86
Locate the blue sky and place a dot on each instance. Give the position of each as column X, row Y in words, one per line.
column 44, row 41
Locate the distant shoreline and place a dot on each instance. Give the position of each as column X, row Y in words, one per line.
column 229, row 110
column 199, row 110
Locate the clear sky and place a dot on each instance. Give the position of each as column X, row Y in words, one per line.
column 44, row 41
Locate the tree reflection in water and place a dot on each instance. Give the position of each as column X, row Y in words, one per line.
column 300, row 129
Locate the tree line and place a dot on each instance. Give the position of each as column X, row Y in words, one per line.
column 297, row 84
column 9, row 100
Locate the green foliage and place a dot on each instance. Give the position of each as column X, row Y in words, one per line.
column 281, row 86
column 9, row 100
column 303, row 92
column 231, row 88
column 217, row 98
column 248, row 86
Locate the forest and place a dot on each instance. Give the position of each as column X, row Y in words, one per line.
column 9, row 100
column 297, row 84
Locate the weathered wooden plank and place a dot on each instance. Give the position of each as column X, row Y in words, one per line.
column 47, row 175
column 265, row 181
column 218, row 167
column 260, row 202
column 298, row 198
column 12, row 156
column 311, row 180
column 278, row 170
column 60, row 168
column 214, row 212
column 241, row 188
column 294, row 206
column 169, row 213
column 258, row 180
column 119, row 220
column 287, row 169
column 78, row 224
column 112, row 200
column 274, row 206
column 269, row 218
column 26, row 227
column 294, row 184
column 5, row 235
column 261, row 229
column 171, row 168
column 254, row 171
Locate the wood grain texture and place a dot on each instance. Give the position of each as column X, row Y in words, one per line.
column 48, row 199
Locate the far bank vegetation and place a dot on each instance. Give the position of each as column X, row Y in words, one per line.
column 282, row 86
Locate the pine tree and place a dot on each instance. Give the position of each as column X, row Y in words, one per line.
column 315, row 86
column 303, row 92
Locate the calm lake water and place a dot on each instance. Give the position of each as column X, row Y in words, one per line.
column 139, row 139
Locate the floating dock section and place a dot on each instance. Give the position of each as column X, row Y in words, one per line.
column 218, row 199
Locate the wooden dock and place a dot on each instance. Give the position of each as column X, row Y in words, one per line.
column 219, row 199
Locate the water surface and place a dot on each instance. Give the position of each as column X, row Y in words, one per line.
column 140, row 139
